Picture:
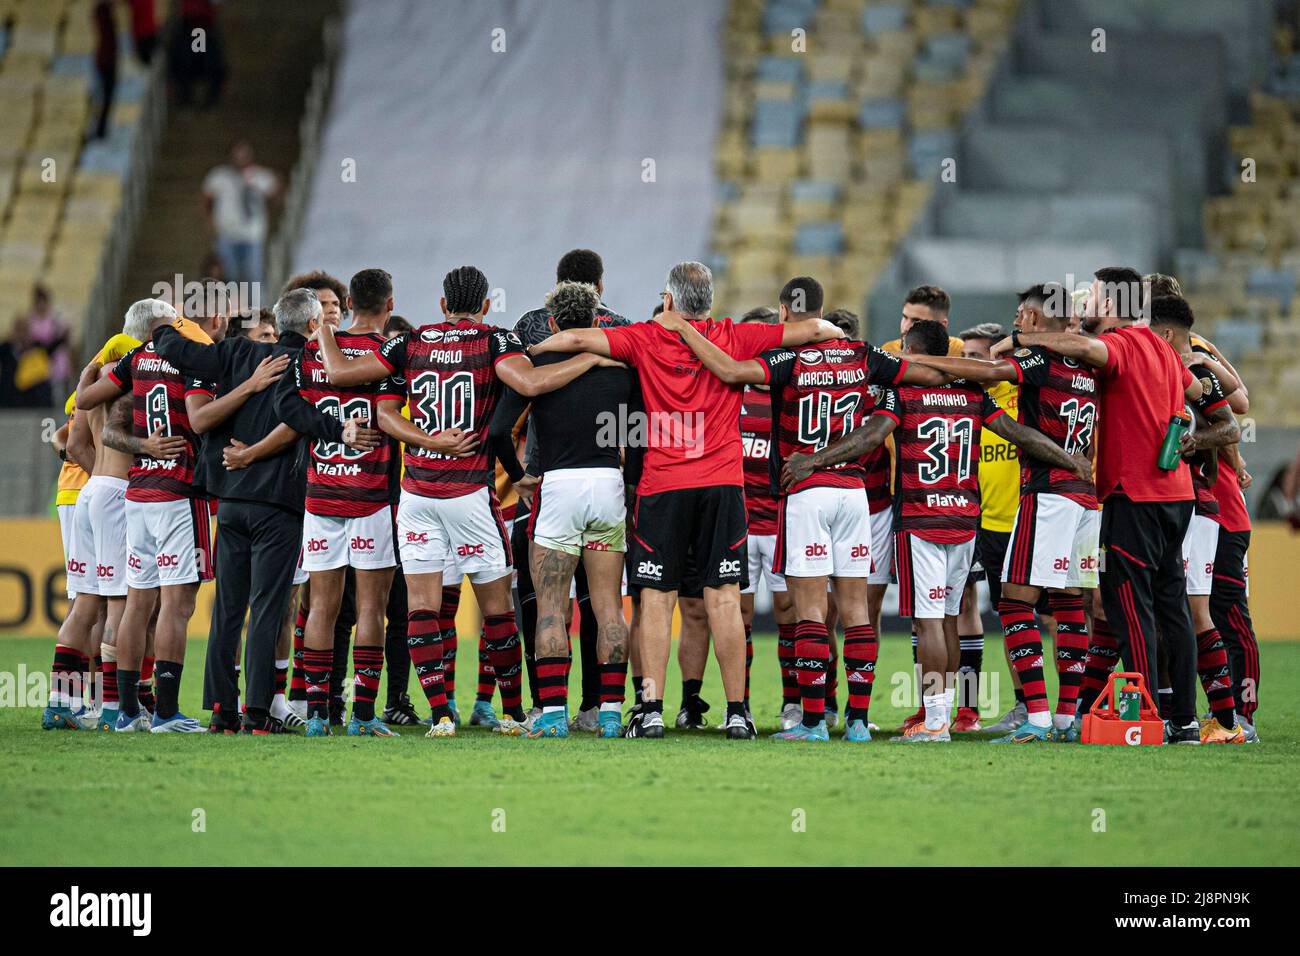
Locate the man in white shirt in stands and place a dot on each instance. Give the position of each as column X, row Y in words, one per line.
column 235, row 196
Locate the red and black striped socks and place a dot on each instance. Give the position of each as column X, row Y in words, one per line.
column 1071, row 652
column 424, row 641
column 785, row 657
column 552, row 683
column 860, row 649
column 298, row 682
column 1216, row 678
column 447, row 627
column 368, row 665
column 1102, row 656
column 66, row 675
column 145, row 693
column 506, row 653
column 1025, row 648
column 317, row 667
column 613, row 686
column 812, row 654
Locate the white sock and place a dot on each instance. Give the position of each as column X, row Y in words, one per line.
column 1062, row 721
column 937, row 709
column 611, row 707
column 949, row 696
column 553, row 710
column 1040, row 718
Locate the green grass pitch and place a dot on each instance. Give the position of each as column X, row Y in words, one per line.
column 73, row 798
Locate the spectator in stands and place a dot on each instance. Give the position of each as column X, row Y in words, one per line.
column 235, row 197
column 24, row 370
column 188, row 59
column 144, row 28
column 211, row 268
column 49, row 331
column 105, row 61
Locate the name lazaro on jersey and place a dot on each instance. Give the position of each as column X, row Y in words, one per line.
column 818, row 396
column 448, row 373
column 1058, row 397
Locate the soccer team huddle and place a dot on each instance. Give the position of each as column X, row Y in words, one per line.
column 357, row 478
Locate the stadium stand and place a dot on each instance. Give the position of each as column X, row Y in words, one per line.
column 837, row 117
column 60, row 195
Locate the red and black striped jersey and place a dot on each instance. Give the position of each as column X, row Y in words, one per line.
column 1212, row 398
column 936, row 482
column 819, row 395
column 341, row 481
column 158, row 393
column 877, row 466
column 1058, row 397
column 447, row 371
column 756, row 439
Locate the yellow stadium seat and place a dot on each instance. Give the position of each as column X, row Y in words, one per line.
column 776, row 164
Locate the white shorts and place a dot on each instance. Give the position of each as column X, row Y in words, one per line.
column 168, row 543
column 80, row 548
column 1199, row 547
column 455, row 536
column 825, row 531
column 105, row 506
column 365, row 543
column 300, row 575
column 577, row 508
column 1053, row 543
column 762, row 555
column 931, row 577
column 65, row 532
column 882, row 546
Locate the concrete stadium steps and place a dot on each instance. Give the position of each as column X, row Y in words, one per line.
column 1099, row 217
column 987, row 265
column 271, row 49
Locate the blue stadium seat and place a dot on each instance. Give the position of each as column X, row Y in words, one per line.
column 827, row 90
column 1239, row 336
column 948, row 47
column 927, row 148
column 726, row 190
column 881, row 113
column 1272, row 283
column 73, row 64
column 814, row 190
column 782, row 16
column 819, row 239
column 879, row 19
column 776, row 123
column 779, row 69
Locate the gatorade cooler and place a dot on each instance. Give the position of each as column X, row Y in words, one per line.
column 1124, row 714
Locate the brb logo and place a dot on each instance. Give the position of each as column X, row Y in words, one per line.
column 363, row 544
column 469, row 550
column 815, row 551
column 317, row 545
column 648, row 569
column 729, row 567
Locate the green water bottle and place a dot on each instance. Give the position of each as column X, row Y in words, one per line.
column 1170, row 455
column 1130, row 703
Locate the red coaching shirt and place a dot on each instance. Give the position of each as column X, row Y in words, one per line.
column 1142, row 386
column 693, row 432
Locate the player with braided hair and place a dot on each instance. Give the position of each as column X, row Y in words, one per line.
column 449, row 522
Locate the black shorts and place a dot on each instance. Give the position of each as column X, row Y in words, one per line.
column 991, row 551
column 688, row 538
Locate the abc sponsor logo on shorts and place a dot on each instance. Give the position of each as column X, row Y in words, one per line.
column 133, row 562
column 76, row 567
column 729, row 566
column 105, row 570
column 469, row 550
column 168, row 560
column 316, row 545
column 596, row 546
column 648, row 569
column 639, row 429
column 937, row 594
column 860, row 551
column 816, row 551
column 417, row 537
column 362, row 544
